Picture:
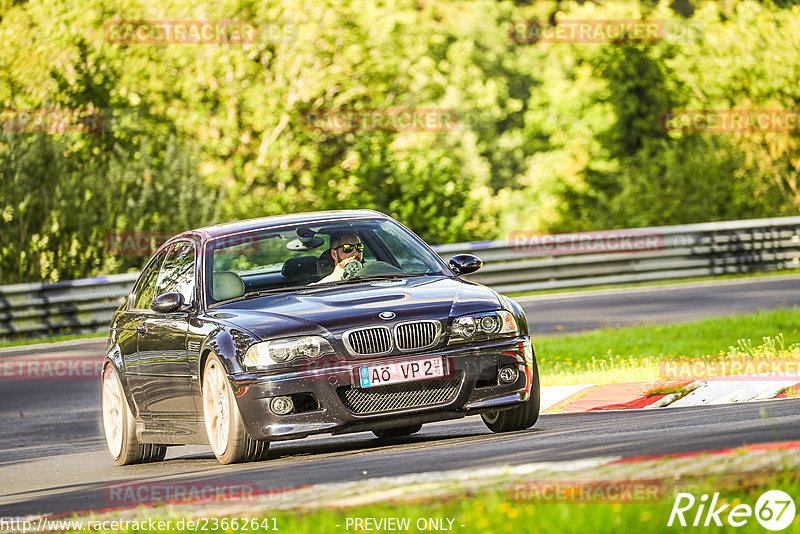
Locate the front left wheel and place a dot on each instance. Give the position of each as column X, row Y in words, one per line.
column 120, row 427
column 226, row 431
column 521, row 417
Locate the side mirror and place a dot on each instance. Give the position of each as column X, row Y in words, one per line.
column 465, row 264
column 167, row 303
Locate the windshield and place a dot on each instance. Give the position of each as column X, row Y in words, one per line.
column 300, row 257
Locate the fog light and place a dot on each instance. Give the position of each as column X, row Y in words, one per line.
column 508, row 374
column 281, row 405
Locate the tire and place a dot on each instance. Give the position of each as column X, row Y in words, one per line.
column 519, row 418
column 119, row 426
column 226, row 432
column 397, row 432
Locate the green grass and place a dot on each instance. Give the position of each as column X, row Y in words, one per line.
column 20, row 342
column 665, row 390
column 668, row 282
column 698, row 338
column 632, row 354
column 497, row 512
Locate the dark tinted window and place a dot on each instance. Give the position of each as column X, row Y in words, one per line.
column 147, row 283
column 177, row 274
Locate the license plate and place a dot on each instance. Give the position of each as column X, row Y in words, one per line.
column 392, row 373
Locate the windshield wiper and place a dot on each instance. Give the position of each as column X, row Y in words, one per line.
column 384, row 276
column 273, row 291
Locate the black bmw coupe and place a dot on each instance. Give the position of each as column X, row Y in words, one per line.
column 276, row 328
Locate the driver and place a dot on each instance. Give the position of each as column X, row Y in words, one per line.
column 347, row 251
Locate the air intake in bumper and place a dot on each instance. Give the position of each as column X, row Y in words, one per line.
column 394, row 397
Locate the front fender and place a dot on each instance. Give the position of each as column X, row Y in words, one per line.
column 230, row 344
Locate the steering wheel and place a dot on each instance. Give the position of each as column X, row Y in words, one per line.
column 379, row 267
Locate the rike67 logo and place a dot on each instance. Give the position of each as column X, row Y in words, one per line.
column 774, row 510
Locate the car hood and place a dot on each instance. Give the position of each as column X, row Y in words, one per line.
column 338, row 308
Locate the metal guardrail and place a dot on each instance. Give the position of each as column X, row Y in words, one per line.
column 524, row 263
column 72, row 306
column 692, row 250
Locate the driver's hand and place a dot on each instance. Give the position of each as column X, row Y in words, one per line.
column 350, row 268
column 345, row 269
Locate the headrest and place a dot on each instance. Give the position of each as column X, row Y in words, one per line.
column 325, row 264
column 300, row 267
column 226, row 285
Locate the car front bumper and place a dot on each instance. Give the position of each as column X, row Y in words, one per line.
column 470, row 387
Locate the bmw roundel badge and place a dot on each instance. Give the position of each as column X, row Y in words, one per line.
column 387, row 315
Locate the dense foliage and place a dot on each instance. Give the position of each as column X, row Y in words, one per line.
column 548, row 136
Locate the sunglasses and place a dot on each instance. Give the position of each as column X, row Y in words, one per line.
column 347, row 248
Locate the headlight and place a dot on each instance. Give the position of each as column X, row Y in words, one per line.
column 282, row 351
column 483, row 325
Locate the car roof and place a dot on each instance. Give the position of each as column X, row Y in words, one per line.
column 310, row 218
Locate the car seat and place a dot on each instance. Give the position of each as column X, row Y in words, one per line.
column 325, row 264
column 300, row 270
column 226, row 285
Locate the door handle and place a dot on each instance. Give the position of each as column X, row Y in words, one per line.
column 141, row 329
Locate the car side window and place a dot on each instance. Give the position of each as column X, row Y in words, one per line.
column 147, row 284
column 178, row 273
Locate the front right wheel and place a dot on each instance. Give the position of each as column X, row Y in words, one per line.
column 521, row 417
column 226, row 431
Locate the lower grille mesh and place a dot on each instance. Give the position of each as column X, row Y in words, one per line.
column 400, row 396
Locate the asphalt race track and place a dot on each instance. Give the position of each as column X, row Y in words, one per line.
column 53, row 457
column 74, row 476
